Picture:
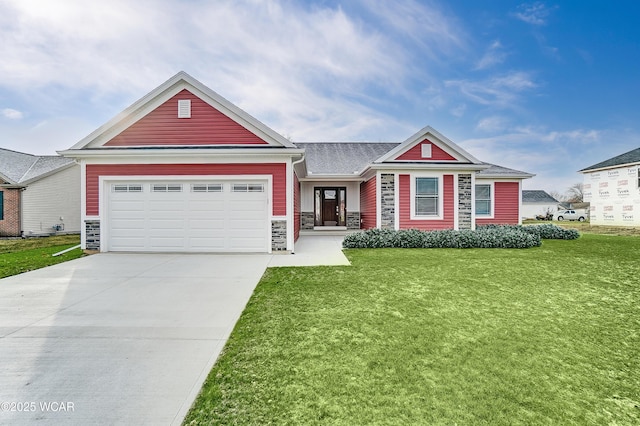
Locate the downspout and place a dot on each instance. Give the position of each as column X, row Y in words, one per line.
column 293, row 170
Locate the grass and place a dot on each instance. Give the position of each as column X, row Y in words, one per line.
column 22, row 255
column 587, row 228
column 547, row 335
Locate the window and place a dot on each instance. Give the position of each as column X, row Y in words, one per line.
column 426, row 196
column 1, row 205
column 426, row 150
column 483, row 200
column 166, row 187
column 206, row 187
column 247, row 187
column 126, row 187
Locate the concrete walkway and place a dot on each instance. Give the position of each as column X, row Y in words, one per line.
column 125, row 338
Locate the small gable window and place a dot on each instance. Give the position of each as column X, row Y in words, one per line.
column 426, row 201
column 483, row 200
column 184, row 108
column 426, row 150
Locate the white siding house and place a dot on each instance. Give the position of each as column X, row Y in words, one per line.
column 53, row 201
column 613, row 188
column 537, row 202
column 46, row 194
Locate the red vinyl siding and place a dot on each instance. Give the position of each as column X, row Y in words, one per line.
column 415, row 153
column 296, row 208
column 405, row 206
column 207, row 126
column 507, row 204
column 368, row 204
column 277, row 170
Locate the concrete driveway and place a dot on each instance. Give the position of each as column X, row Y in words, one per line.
column 117, row 338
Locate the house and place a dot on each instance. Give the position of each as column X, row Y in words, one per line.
column 537, row 203
column 183, row 169
column 39, row 195
column 613, row 189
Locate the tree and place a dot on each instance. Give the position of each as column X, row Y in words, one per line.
column 558, row 196
column 575, row 193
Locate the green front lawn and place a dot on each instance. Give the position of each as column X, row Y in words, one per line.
column 548, row 335
column 22, row 255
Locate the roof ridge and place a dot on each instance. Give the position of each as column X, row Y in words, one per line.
column 29, row 169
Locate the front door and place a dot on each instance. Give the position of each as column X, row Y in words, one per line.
column 330, row 207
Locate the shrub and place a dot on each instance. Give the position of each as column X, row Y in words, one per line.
column 489, row 237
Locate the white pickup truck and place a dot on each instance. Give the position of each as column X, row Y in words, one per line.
column 571, row 215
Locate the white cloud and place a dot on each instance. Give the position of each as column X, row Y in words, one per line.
column 12, row 114
column 500, row 91
column 494, row 55
column 492, row 124
column 533, row 13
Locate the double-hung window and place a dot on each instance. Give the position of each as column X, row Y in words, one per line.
column 426, row 201
column 483, row 200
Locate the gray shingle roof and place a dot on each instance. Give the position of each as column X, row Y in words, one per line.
column 498, row 171
column 537, row 196
column 19, row 167
column 632, row 156
column 342, row 158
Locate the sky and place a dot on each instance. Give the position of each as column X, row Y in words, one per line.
column 545, row 87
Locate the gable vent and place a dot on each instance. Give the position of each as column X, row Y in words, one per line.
column 426, row 150
column 184, row 108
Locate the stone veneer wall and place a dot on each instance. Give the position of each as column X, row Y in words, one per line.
column 307, row 220
column 353, row 220
column 387, row 202
column 93, row 234
column 464, row 201
column 278, row 235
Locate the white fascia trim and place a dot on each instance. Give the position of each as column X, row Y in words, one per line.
column 440, row 215
column 104, row 181
column 617, row 166
column 473, row 201
column 175, row 152
column 378, row 201
column 83, row 205
column 332, row 178
column 396, row 201
column 492, row 194
column 431, row 167
column 290, row 205
column 192, row 159
column 438, row 138
column 512, row 177
column 456, row 202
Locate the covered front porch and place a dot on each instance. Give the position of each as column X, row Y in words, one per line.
column 329, row 205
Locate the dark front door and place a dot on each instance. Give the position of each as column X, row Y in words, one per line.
column 330, row 207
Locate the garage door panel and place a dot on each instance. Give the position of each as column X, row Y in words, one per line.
column 190, row 220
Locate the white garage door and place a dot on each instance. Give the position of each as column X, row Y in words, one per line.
column 188, row 216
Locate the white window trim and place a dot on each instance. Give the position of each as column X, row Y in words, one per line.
column 440, row 214
column 493, row 199
column 426, row 150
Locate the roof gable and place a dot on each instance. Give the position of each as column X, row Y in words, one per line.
column 153, row 121
column 205, row 126
column 428, row 146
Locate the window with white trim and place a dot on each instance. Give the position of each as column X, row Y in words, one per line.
column 483, row 200
column 247, row 187
column 426, row 198
column 206, row 187
column 126, row 187
column 166, row 187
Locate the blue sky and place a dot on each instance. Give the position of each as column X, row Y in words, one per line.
column 545, row 87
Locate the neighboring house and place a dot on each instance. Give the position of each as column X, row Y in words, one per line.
column 537, row 203
column 613, row 188
column 39, row 195
column 183, row 169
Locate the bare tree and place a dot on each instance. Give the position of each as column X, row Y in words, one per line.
column 558, row 196
column 575, row 193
